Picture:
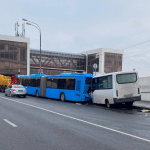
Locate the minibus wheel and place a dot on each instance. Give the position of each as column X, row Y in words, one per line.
column 62, row 97
column 129, row 104
column 107, row 103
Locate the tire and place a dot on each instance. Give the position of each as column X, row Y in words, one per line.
column 108, row 105
column 129, row 104
column 2, row 90
column 24, row 96
column 37, row 94
column 5, row 94
column 10, row 94
column 62, row 97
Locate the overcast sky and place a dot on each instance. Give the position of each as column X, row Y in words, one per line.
column 80, row 25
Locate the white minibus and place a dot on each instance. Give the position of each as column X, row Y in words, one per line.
column 116, row 87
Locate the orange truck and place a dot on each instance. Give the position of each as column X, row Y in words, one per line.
column 6, row 81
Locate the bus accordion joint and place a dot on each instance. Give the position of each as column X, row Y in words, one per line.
column 117, row 93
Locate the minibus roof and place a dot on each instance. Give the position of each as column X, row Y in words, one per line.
column 121, row 72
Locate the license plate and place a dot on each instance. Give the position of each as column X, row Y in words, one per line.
column 20, row 90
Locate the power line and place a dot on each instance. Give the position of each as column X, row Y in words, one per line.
column 129, row 46
column 138, row 54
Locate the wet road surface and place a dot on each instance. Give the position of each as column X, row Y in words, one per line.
column 51, row 124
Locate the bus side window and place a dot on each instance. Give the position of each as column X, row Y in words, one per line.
column 27, row 82
column 70, row 84
column 38, row 83
column 49, row 83
column 33, row 82
column 61, row 83
column 23, row 82
column 54, row 83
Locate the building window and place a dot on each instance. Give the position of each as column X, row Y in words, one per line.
column 6, row 55
column 22, row 54
column 113, row 69
column 117, row 63
column 108, row 63
column 10, row 47
column 15, row 56
column 119, row 57
column 2, row 47
column 2, row 55
column 120, row 63
column 11, row 56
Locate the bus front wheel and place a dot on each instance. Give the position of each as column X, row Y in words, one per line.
column 62, row 97
column 107, row 103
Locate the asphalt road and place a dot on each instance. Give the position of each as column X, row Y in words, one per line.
column 43, row 124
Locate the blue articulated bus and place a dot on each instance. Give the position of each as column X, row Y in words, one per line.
column 66, row 86
column 32, row 83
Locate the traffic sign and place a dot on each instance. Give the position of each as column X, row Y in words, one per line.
column 95, row 66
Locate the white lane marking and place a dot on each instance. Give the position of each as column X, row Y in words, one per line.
column 80, row 120
column 12, row 124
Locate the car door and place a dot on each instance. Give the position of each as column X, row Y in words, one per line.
column 9, row 89
column 6, row 90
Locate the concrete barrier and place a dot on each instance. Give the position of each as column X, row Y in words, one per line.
column 145, row 88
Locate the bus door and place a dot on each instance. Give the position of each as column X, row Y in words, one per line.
column 43, row 86
column 79, row 89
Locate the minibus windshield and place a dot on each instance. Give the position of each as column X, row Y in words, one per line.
column 126, row 78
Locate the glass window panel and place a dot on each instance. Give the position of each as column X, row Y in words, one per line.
column 54, row 83
column 110, row 82
column 70, row 84
column 2, row 47
column 61, row 83
column 105, row 83
column 126, row 78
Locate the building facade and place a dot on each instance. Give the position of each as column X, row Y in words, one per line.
column 107, row 60
column 56, row 62
column 14, row 55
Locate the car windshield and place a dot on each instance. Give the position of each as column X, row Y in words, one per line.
column 18, row 86
column 126, row 78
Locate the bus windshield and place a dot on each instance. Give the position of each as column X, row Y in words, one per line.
column 126, row 78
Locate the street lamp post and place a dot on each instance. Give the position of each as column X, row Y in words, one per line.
column 35, row 25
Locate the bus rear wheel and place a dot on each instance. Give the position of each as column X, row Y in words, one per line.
column 107, row 103
column 37, row 94
column 62, row 97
